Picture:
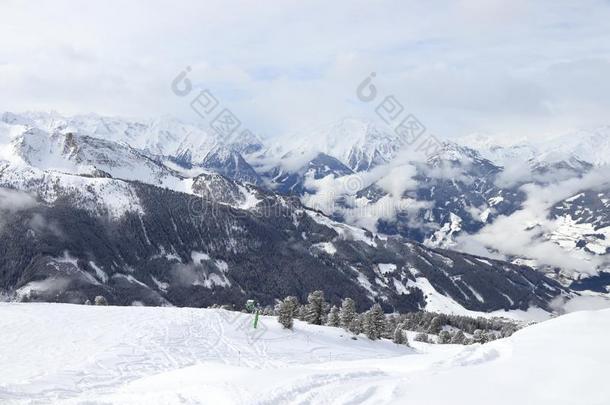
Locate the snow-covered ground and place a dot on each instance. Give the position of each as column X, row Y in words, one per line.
column 52, row 353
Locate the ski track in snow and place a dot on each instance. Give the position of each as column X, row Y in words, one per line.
column 70, row 354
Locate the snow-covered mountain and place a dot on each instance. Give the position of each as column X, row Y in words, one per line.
column 106, row 218
column 592, row 146
column 186, row 144
column 356, row 172
column 445, row 198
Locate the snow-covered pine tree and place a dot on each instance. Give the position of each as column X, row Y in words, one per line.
column 422, row 337
column 444, row 337
column 347, row 313
column 333, row 317
column 391, row 324
column 356, row 325
column 458, row 338
column 508, row 330
column 400, row 338
column 301, row 312
column 287, row 310
column 436, row 325
column 315, row 311
column 479, row 336
column 374, row 322
column 100, row 300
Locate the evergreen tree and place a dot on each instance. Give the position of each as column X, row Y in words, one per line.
column 507, row 330
column 287, row 310
column 100, row 300
column 347, row 313
column 391, row 324
column 301, row 312
column 316, row 307
column 479, row 336
column 458, row 338
column 435, row 325
column 374, row 322
column 399, row 337
column 356, row 325
column 444, row 337
column 422, row 337
column 333, row 317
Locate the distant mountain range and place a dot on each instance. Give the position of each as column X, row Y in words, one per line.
column 163, row 212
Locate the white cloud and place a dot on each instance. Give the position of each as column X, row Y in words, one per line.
column 398, row 180
column 13, row 200
column 522, row 234
column 497, row 65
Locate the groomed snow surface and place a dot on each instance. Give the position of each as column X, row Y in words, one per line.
column 57, row 353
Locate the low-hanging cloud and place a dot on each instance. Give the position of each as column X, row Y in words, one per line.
column 14, row 200
column 524, row 233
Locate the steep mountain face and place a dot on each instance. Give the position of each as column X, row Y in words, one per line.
column 584, row 222
column 444, row 199
column 186, row 144
column 231, row 164
column 294, row 182
column 359, row 145
column 81, row 154
column 354, row 171
column 83, row 216
column 449, row 193
column 174, row 248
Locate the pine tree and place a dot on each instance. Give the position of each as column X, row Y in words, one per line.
column 458, row 338
column 374, row 322
column 391, row 324
column 333, row 317
column 422, row 337
column 436, row 325
column 287, row 310
column 399, row 337
column 316, row 307
column 100, row 300
column 356, row 325
column 444, row 337
column 347, row 313
column 507, row 330
column 479, row 336
column 301, row 312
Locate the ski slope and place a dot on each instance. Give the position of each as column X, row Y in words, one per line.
column 70, row 354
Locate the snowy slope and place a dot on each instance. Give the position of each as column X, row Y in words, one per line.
column 592, row 146
column 360, row 145
column 69, row 354
column 165, row 136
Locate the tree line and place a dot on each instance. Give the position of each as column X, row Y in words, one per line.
column 375, row 324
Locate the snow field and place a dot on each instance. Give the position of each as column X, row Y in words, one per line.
column 69, row 354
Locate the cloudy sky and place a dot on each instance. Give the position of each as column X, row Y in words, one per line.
column 499, row 67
